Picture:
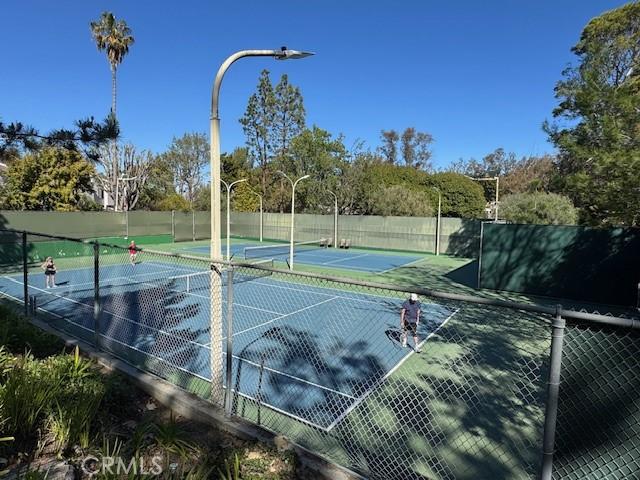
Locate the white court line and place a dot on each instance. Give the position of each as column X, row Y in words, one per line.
column 397, row 299
column 283, row 412
column 377, row 384
column 278, row 372
column 284, row 316
column 347, row 258
column 288, row 375
column 115, row 315
column 114, row 339
column 400, row 266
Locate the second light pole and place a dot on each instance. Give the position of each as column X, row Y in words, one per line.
column 229, row 187
column 293, row 211
column 335, row 219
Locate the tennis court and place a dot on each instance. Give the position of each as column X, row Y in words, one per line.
column 312, row 253
column 311, row 353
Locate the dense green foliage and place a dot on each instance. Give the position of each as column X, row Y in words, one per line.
column 539, row 208
column 598, row 115
column 400, row 201
column 50, row 179
column 461, row 196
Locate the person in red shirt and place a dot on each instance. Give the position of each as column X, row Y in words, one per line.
column 133, row 253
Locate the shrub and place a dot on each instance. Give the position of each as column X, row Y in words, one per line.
column 400, row 201
column 17, row 336
column 539, row 208
column 62, row 393
column 461, row 196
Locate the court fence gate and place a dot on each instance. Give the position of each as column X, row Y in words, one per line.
column 500, row 390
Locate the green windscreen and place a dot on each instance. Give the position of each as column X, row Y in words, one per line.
column 579, row 263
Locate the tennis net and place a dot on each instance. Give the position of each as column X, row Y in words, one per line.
column 270, row 251
column 196, row 282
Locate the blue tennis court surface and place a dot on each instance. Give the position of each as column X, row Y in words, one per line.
column 360, row 260
column 309, row 352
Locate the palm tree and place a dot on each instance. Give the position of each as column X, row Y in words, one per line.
column 114, row 37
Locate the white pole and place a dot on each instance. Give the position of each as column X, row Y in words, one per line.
column 293, row 212
column 261, row 226
column 260, row 197
column 115, row 207
column 335, row 224
column 438, row 224
column 216, row 252
column 335, row 219
column 293, row 202
column 228, row 220
column 229, row 187
column 497, row 187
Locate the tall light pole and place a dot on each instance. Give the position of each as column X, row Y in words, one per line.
column 216, row 252
column 438, row 220
column 260, row 197
column 293, row 211
column 490, row 179
column 335, row 219
column 115, row 207
column 229, row 187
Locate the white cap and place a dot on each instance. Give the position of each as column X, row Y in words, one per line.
column 413, row 297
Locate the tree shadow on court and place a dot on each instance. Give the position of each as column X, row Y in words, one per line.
column 158, row 327
column 469, row 407
column 285, row 360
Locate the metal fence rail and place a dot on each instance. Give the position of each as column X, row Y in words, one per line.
column 500, row 390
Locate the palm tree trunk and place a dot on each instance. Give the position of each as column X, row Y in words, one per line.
column 113, row 90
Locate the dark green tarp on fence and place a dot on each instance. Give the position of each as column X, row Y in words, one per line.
column 579, row 263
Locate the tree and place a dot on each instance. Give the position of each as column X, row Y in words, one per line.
column 389, row 147
column 531, row 174
column 50, row 179
column 257, row 123
column 174, row 202
column 495, row 164
column 126, row 171
column 401, row 201
column 597, row 126
column 114, row 37
column 289, row 116
column 187, row 157
column 88, row 136
column 416, row 150
column 317, row 153
column 159, row 184
column 539, row 208
column 461, row 196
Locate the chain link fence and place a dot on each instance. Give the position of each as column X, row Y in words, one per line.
column 321, row 360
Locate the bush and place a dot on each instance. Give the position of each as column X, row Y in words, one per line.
column 539, row 208
column 60, row 395
column 18, row 336
column 174, row 202
column 400, row 201
column 461, row 196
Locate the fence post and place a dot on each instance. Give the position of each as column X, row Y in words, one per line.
column 25, row 274
column 126, row 218
column 96, row 293
column 553, row 389
column 229, row 396
column 193, row 224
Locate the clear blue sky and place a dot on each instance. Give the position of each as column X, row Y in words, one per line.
column 475, row 74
